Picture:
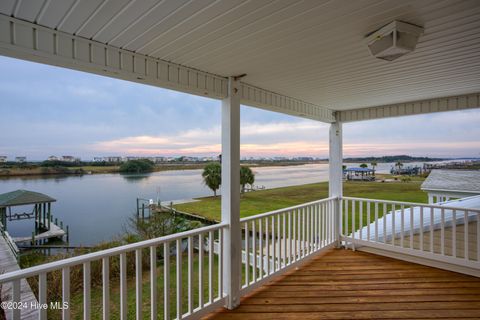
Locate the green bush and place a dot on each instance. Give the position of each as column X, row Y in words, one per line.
column 137, row 166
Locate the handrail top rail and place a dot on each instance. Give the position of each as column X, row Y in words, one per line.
column 416, row 204
column 298, row 206
column 72, row 261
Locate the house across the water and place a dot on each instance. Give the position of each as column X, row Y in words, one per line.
column 359, row 174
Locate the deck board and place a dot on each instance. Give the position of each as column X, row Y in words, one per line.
column 344, row 284
column 8, row 263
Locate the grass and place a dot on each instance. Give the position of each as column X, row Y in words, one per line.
column 257, row 202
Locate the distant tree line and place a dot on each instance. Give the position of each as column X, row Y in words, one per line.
column 402, row 158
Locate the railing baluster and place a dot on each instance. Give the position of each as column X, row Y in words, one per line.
column 262, row 262
column 327, row 232
column 267, row 245
column 345, row 215
column 290, row 237
column 308, row 231
column 284, row 240
column 321, row 226
column 442, row 231
column 274, row 246
column 16, row 311
column 190, row 274
column 123, row 286
column 354, row 204
column 402, row 228
column 412, row 226
column 179, row 268
column 66, row 293
column 220, row 264
column 394, row 227
column 317, row 210
column 105, row 287
column 279, row 242
column 421, row 228
column 200, row 271
column 153, row 283
column 211, row 250
column 247, row 255
column 295, row 235
column 454, row 233
column 432, row 221
column 138, row 283
column 466, row 239
column 304, row 231
column 368, row 220
column 254, row 250
column 42, row 294
column 385, row 209
column 360, row 203
column 86, row 291
column 166, row 280
column 376, row 223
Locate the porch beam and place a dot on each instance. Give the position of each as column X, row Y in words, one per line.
column 29, row 41
column 452, row 103
column 230, row 190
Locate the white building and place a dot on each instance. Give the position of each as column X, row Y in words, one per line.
column 52, row 158
column 443, row 185
column 21, row 159
column 3, row 159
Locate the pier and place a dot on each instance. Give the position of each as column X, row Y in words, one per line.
column 8, row 263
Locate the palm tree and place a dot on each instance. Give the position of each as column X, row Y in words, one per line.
column 399, row 165
column 374, row 165
column 364, row 165
column 246, row 177
column 212, row 176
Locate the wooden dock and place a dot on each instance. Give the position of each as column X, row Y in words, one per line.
column 54, row 232
column 8, row 263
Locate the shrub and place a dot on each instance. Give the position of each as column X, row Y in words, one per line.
column 137, row 166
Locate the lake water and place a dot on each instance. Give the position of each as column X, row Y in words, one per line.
column 97, row 207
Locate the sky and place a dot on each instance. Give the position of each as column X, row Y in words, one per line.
column 47, row 110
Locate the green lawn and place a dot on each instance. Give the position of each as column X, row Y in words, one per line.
column 257, row 202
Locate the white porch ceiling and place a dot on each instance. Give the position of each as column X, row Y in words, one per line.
column 312, row 50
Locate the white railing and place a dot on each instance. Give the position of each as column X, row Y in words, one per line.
column 275, row 241
column 437, row 232
column 272, row 243
column 181, row 251
column 10, row 242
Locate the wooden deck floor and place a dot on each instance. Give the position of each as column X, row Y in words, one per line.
column 343, row 284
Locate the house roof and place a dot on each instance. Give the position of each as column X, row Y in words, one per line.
column 453, row 180
column 23, row 197
column 429, row 216
column 313, row 51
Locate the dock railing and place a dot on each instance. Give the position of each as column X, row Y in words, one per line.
column 8, row 239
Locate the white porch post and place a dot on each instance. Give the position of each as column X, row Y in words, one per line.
column 230, row 189
column 335, row 174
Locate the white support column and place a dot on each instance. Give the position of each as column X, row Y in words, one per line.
column 335, row 162
column 230, row 190
column 335, row 174
column 430, row 199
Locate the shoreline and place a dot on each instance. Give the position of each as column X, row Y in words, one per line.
column 38, row 171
